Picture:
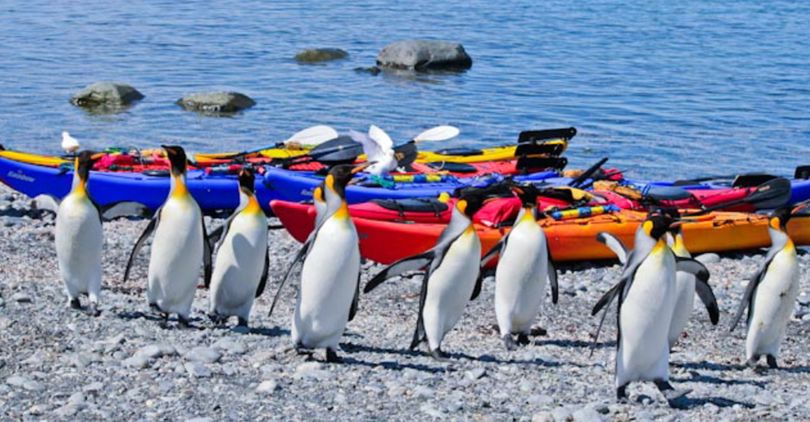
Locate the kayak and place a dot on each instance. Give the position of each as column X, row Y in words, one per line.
column 212, row 192
column 569, row 240
column 298, row 186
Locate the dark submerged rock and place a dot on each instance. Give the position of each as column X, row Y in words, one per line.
column 424, row 55
column 216, row 102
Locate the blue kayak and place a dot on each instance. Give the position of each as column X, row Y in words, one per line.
column 296, row 186
column 212, row 192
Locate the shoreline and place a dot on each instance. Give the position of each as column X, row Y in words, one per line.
column 61, row 364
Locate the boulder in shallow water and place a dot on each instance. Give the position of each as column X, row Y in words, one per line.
column 317, row 55
column 422, row 55
column 216, row 102
column 106, row 94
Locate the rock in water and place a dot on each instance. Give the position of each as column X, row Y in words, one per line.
column 216, row 102
column 106, row 95
column 424, row 55
column 317, row 55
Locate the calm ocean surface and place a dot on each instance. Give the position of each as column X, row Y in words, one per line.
column 666, row 89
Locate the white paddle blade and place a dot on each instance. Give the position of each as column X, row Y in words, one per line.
column 438, row 133
column 313, row 136
column 380, row 137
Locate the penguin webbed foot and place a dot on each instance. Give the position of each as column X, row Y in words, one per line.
column 332, row 356
column 772, row 362
column 672, row 395
column 752, row 362
column 92, row 310
column 164, row 320
column 539, row 332
column 75, row 303
column 621, row 394
column 184, row 323
column 523, row 339
column 439, row 355
column 509, row 343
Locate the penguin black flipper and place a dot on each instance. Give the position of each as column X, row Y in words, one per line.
column 479, row 281
column 692, row 266
column 605, row 302
column 263, row 277
column 552, row 277
column 119, row 209
column 419, row 333
column 495, row 250
column 207, row 266
column 747, row 301
column 614, row 244
column 413, row 263
column 46, row 202
column 355, row 299
column 706, row 295
column 153, row 223
column 217, row 236
column 302, row 253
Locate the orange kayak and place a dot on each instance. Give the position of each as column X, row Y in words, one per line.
column 569, row 240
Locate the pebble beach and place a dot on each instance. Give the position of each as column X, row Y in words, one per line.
column 61, row 364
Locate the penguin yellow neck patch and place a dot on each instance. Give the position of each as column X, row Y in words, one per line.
column 659, row 246
column 679, row 245
column 528, row 214
column 342, row 213
column 253, row 206
column 180, row 189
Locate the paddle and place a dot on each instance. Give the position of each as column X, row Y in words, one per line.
column 311, row 136
column 587, row 173
column 407, row 152
column 341, row 150
column 745, row 180
column 771, row 194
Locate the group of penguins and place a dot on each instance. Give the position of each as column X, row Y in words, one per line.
column 655, row 292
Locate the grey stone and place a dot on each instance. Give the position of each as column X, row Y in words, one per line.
column 24, row 383
column 267, row 387
column 231, row 346
column 102, row 94
column 708, row 258
column 561, row 414
column 318, row 55
column 804, row 299
column 21, row 297
column 216, row 102
column 203, row 354
column 543, row 417
column 587, row 414
column 431, row 411
column 422, row 392
column 94, row 387
column 476, row 373
column 311, row 370
column 424, row 55
column 197, row 370
column 137, row 361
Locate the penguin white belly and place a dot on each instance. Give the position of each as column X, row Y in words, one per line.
column 646, row 313
column 450, row 287
column 684, row 304
column 520, row 279
column 176, row 257
column 329, row 279
column 238, row 266
column 773, row 304
column 79, row 239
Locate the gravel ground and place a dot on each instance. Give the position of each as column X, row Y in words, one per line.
column 56, row 363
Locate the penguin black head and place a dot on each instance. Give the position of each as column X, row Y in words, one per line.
column 657, row 224
column 84, row 162
column 339, row 176
column 780, row 217
column 247, row 180
column 674, row 215
column 177, row 156
column 470, row 202
column 527, row 193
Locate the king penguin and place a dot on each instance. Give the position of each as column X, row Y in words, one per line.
column 451, row 279
column 523, row 270
column 79, row 238
column 242, row 259
column 330, row 274
column 646, row 293
column 78, row 233
column 771, row 294
column 179, row 248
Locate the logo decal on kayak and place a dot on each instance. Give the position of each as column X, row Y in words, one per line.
column 306, row 192
column 16, row 174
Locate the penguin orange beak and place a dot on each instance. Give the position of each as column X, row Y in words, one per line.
column 675, row 225
column 357, row 169
column 799, row 208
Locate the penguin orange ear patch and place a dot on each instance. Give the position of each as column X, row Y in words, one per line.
column 774, row 223
column 461, row 205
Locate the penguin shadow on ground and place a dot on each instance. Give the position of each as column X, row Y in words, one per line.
column 695, row 376
column 584, row 344
column 686, row 402
column 349, row 348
